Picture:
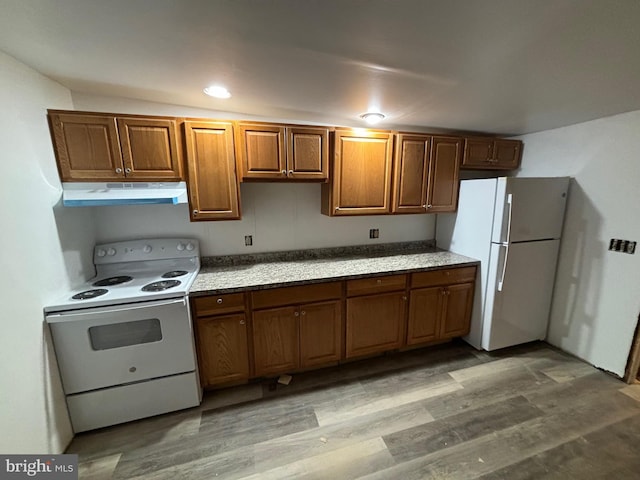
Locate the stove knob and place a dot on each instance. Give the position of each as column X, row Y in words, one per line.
column 111, row 252
column 147, row 249
column 190, row 246
column 180, row 246
column 101, row 252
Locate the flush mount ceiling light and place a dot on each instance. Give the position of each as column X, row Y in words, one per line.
column 217, row 91
column 372, row 117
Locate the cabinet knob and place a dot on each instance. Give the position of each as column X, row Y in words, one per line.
column 118, row 170
column 127, row 170
column 195, row 212
column 219, row 301
column 284, row 172
column 303, row 312
column 296, row 314
column 404, row 297
column 290, row 172
column 429, row 206
column 241, row 322
column 424, row 206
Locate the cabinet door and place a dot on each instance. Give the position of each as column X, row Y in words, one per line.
column 320, row 333
column 478, row 152
column 261, row 151
column 361, row 178
column 222, row 349
column 425, row 311
column 375, row 323
column 150, row 148
column 410, row 174
column 212, row 181
column 456, row 318
column 307, row 153
column 444, row 174
column 275, row 340
column 87, row 147
column 506, row 154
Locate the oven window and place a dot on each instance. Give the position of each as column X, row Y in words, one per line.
column 105, row 337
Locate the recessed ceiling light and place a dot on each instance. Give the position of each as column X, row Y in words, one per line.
column 217, row 91
column 372, row 117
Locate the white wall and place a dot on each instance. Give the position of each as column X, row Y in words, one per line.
column 45, row 249
column 597, row 297
column 279, row 216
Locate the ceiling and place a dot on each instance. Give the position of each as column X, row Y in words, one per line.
column 498, row 66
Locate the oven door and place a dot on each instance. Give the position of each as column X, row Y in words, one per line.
column 107, row 346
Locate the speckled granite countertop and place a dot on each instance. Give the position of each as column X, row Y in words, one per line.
column 256, row 272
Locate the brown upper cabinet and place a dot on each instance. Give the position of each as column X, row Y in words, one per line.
column 282, row 152
column 426, row 174
column 491, row 153
column 104, row 147
column 361, row 174
column 211, row 172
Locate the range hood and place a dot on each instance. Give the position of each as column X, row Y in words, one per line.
column 80, row 194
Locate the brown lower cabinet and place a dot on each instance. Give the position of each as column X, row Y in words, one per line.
column 222, row 349
column 283, row 330
column 288, row 338
column 443, row 310
column 375, row 323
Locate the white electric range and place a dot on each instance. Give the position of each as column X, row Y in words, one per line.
column 124, row 340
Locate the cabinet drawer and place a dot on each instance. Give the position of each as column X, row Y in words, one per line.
column 443, row 277
column 296, row 295
column 364, row 286
column 217, row 304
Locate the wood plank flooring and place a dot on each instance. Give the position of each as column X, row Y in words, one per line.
column 448, row 412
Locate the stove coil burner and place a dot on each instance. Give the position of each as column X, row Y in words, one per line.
column 174, row 273
column 161, row 285
column 90, row 294
column 112, row 281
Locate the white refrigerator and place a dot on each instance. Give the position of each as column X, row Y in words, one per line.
column 513, row 226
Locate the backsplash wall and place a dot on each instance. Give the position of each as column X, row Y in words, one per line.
column 278, row 216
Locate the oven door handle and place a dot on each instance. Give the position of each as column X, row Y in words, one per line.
column 83, row 314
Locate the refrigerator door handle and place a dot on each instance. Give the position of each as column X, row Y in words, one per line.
column 510, row 203
column 504, row 266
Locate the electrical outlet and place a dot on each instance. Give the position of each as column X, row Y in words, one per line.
column 248, row 240
column 374, row 233
column 624, row 246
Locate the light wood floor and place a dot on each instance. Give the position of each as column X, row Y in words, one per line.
column 447, row 412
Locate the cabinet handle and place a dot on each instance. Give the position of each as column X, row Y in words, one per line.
column 296, row 314
column 284, row 172
column 303, row 312
column 290, row 172
column 241, row 322
column 118, row 170
column 219, row 301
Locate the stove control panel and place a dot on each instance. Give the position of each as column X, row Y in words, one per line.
column 146, row 249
